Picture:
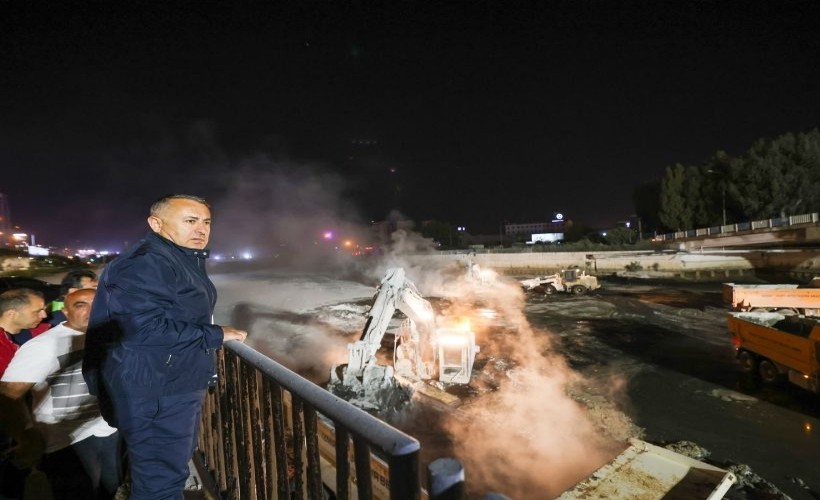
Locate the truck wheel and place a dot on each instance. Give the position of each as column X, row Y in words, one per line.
column 579, row 290
column 768, row 371
column 747, row 360
column 549, row 290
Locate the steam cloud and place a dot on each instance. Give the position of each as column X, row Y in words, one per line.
column 280, row 210
column 524, row 436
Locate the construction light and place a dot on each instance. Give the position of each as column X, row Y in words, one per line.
column 452, row 340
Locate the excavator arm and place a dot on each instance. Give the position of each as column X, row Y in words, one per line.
column 394, row 293
column 423, row 351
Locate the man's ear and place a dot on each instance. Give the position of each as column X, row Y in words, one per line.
column 155, row 223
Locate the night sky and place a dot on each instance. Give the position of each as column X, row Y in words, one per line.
column 473, row 113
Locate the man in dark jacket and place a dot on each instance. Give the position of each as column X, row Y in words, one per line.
column 151, row 342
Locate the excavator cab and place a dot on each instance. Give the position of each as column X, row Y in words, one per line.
column 456, row 353
column 570, row 275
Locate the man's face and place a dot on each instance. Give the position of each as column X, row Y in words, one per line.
column 185, row 222
column 78, row 308
column 31, row 314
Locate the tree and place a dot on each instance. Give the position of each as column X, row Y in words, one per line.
column 674, row 212
column 647, row 201
column 442, row 232
column 621, row 236
column 774, row 178
column 779, row 177
column 577, row 231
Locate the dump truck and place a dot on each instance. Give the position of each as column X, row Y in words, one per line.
column 648, row 471
column 785, row 298
column 775, row 346
column 642, row 470
column 572, row 281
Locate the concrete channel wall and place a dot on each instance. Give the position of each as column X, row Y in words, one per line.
column 802, row 264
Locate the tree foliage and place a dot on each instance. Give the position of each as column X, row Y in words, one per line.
column 441, row 232
column 621, row 236
column 775, row 178
column 648, row 205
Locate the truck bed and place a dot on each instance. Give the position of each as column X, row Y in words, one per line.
column 742, row 297
column 648, row 472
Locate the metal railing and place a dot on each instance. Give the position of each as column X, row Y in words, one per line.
column 779, row 222
column 269, row 433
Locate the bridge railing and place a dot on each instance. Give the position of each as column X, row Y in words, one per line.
column 778, row 222
column 266, row 432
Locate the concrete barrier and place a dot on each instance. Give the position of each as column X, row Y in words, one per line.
column 802, row 264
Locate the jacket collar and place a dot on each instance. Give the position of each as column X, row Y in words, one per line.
column 193, row 252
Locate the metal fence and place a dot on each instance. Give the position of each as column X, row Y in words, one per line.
column 269, row 433
column 779, row 222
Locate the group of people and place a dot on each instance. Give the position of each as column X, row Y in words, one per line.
column 121, row 364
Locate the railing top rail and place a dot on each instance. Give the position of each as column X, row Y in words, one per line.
column 756, row 224
column 390, row 442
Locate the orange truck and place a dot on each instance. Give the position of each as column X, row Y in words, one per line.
column 776, row 346
column 772, row 298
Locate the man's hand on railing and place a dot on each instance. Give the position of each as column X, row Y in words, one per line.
column 231, row 333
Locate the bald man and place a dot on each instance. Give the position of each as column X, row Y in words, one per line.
column 82, row 452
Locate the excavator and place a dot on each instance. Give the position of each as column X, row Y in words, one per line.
column 425, row 349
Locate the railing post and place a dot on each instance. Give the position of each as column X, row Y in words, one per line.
column 260, row 449
column 404, row 476
column 445, row 480
column 342, row 464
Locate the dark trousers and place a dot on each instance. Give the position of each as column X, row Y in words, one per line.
column 89, row 469
column 103, row 462
column 160, row 434
column 12, row 479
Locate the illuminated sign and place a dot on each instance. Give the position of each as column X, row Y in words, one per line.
column 547, row 237
column 35, row 250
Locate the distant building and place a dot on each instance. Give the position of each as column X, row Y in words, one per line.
column 531, row 232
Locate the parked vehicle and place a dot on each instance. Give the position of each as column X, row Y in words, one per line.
column 776, row 346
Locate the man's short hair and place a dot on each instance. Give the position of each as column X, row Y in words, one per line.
column 17, row 298
column 161, row 203
column 74, row 279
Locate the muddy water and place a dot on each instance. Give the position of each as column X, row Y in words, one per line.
column 683, row 383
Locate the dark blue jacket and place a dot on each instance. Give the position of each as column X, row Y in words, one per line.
column 150, row 332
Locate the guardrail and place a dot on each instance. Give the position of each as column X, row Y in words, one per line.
column 266, row 432
column 780, row 222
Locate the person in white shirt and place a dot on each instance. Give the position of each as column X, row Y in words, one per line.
column 82, row 452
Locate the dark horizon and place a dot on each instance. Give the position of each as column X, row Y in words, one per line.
column 471, row 114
